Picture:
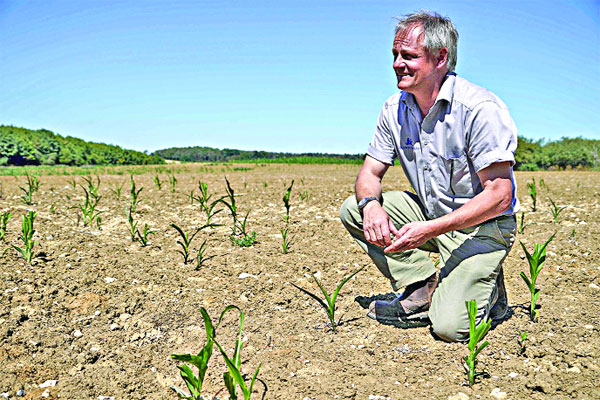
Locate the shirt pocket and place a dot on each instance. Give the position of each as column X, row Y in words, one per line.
column 453, row 176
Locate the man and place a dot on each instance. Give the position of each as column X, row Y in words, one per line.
column 455, row 142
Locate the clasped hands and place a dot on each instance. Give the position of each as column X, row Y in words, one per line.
column 379, row 229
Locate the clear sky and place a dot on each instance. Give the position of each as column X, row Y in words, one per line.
column 278, row 75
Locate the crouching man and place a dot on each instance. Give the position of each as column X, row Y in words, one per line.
column 455, row 142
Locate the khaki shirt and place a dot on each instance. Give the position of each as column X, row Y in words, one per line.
column 467, row 129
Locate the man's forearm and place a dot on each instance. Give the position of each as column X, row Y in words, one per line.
column 367, row 186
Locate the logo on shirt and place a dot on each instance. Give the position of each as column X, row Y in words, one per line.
column 409, row 144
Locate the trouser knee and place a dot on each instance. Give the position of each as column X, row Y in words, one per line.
column 450, row 329
column 347, row 210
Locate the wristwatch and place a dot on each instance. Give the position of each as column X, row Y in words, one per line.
column 364, row 202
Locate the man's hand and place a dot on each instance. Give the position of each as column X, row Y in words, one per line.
column 377, row 225
column 410, row 236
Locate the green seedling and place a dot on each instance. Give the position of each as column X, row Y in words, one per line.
column 186, row 240
column 26, row 236
column 202, row 258
column 116, row 189
column 4, row 217
column 521, row 229
column 91, row 187
column 200, row 361
column 157, row 182
column 205, row 203
column 143, row 236
column 90, row 214
column 286, row 240
column 286, row 202
column 556, row 210
column 135, row 194
column 476, row 335
column 304, row 195
column 543, row 184
column 522, row 341
column 243, row 239
column 32, row 184
column 572, row 235
column 329, row 303
column 536, row 262
column 302, row 181
column 132, row 225
column 234, row 376
column 172, row 183
column 73, row 183
column 232, row 207
column 532, row 193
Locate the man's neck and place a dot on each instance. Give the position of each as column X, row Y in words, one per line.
column 426, row 98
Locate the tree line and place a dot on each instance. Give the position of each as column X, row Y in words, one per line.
column 20, row 146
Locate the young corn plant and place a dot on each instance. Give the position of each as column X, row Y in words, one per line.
column 286, row 240
column 532, row 193
column 26, row 236
column 329, row 303
column 200, row 361
column 476, row 335
column 116, row 189
column 4, row 217
column 304, row 195
column 286, row 202
column 92, row 187
column 536, row 262
column 543, row 184
column 202, row 257
column 205, row 203
column 522, row 341
column 32, row 184
column 132, row 225
column 234, row 377
column 135, row 194
column 172, row 183
column 157, row 182
column 143, row 236
column 521, row 227
column 243, row 239
column 73, row 183
column 186, row 240
column 88, row 208
column 232, row 207
column 556, row 210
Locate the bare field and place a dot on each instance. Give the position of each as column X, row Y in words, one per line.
column 101, row 314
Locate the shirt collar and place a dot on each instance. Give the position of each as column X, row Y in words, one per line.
column 446, row 92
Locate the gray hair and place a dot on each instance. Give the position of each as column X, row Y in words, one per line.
column 439, row 32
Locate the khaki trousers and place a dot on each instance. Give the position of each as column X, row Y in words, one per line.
column 470, row 261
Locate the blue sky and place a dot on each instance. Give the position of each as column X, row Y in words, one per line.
column 278, row 75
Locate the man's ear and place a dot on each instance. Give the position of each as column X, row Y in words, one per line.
column 442, row 57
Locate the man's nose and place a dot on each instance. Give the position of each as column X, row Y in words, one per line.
column 398, row 62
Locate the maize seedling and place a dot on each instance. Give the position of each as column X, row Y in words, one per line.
column 521, row 229
column 116, row 189
column 27, row 232
column 201, row 258
column 532, row 193
column 286, row 202
column 245, row 239
column 543, row 184
column 143, row 236
column 329, row 303
column 132, row 225
column 186, row 240
column 556, row 210
column 200, row 361
column 286, row 240
column 88, row 209
column 205, row 203
column 536, row 262
column 232, row 206
column 172, row 183
column 92, row 188
column 522, row 341
column 475, row 336
column 4, row 217
column 234, row 376
column 73, row 182
column 32, row 184
column 157, row 182
column 135, row 200
column 304, row 195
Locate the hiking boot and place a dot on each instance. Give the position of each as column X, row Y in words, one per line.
column 499, row 299
column 407, row 310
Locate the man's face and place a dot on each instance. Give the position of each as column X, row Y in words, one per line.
column 415, row 68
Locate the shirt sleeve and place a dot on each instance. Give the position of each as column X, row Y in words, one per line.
column 492, row 135
column 382, row 146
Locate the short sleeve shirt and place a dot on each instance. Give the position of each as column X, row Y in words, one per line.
column 467, row 129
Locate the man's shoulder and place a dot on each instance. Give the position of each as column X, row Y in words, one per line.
column 471, row 95
column 393, row 100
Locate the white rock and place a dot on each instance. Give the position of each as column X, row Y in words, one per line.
column 594, row 286
column 108, row 279
column 245, row 275
column 106, row 397
column 49, row 383
column 458, row 396
column 77, row 333
column 114, row 327
column 5, row 395
column 513, row 375
column 46, row 393
column 497, row 394
column 588, row 326
column 574, row 369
